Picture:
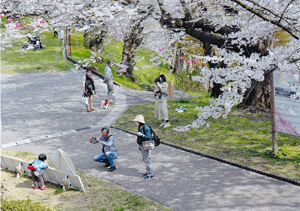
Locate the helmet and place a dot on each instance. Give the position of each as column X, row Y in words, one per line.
column 42, row 157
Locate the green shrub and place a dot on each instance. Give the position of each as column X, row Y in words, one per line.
column 184, row 82
column 183, row 101
column 22, row 205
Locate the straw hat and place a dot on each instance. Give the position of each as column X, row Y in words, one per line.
column 139, row 118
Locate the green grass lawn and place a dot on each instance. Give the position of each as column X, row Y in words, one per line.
column 48, row 59
column 242, row 137
column 113, row 51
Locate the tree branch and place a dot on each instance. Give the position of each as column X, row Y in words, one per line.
column 266, row 18
column 285, row 10
column 267, row 9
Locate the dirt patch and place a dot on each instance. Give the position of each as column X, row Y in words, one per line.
column 22, row 189
column 99, row 194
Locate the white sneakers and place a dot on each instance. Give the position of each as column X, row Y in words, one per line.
column 165, row 124
column 162, row 124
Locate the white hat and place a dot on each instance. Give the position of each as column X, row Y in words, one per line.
column 139, row 118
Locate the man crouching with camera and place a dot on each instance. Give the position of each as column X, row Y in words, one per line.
column 109, row 149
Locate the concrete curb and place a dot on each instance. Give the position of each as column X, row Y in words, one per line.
column 248, row 168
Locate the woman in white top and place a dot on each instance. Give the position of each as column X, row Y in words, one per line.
column 161, row 108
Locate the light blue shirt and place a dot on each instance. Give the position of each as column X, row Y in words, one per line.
column 109, row 144
column 40, row 165
column 108, row 74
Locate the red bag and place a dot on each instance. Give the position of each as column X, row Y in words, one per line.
column 30, row 166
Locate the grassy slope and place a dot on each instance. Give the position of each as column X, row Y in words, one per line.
column 48, row 59
column 242, row 137
column 99, row 195
column 113, row 51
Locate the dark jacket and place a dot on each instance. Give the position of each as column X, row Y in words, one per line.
column 145, row 130
column 89, row 86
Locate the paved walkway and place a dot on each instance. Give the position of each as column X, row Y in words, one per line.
column 49, row 106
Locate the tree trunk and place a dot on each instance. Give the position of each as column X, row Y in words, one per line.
column 257, row 98
column 132, row 41
column 178, row 64
column 208, row 51
column 95, row 38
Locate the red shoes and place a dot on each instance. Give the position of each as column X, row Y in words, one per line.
column 44, row 188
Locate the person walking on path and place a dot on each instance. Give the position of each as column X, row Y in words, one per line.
column 37, row 175
column 108, row 79
column 89, row 89
column 161, row 109
column 109, row 150
column 143, row 134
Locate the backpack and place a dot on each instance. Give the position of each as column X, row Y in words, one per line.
column 154, row 137
column 30, row 166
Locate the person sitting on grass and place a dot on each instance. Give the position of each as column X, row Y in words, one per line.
column 37, row 175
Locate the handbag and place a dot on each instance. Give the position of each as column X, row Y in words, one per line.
column 148, row 145
column 84, row 100
column 30, row 166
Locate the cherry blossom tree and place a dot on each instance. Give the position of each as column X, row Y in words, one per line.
column 132, row 40
column 238, row 37
column 242, row 31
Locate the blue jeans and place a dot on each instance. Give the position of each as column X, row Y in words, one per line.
column 107, row 157
column 36, row 33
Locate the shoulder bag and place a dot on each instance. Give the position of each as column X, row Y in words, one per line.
column 149, row 144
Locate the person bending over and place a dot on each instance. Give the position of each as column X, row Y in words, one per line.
column 37, row 175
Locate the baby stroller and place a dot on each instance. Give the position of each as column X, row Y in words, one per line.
column 34, row 43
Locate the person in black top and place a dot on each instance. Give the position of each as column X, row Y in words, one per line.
column 89, row 89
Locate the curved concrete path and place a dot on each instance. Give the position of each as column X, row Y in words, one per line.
column 47, row 104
